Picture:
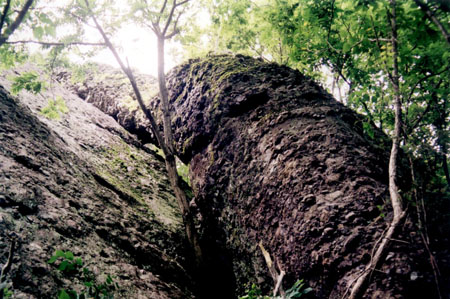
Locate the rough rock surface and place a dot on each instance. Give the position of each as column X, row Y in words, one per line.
column 109, row 90
column 275, row 159
column 82, row 183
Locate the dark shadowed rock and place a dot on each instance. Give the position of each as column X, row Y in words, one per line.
column 84, row 184
column 275, row 159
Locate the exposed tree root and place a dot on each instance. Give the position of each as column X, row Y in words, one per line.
column 377, row 258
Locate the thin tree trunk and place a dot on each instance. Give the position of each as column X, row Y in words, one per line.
column 183, row 203
column 165, row 143
column 396, row 201
column 164, row 94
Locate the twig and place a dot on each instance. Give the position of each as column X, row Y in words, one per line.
column 277, row 278
column 424, row 7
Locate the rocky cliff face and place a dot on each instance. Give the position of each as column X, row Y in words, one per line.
column 273, row 159
column 84, row 184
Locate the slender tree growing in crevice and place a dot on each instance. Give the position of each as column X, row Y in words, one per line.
column 396, row 200
column 164, row 25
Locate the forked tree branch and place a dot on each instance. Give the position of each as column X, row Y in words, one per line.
column 169, row 18
column 161, row 11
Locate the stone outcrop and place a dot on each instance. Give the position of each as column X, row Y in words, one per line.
column 82, row 183
column 275, row 159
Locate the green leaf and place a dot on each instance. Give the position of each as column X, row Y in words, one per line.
column 63, row 265
column 52, row 259
column 89, row 284
column 346, row 47
column 79, row 261
column 69, row 255
column 38, row 32
column 63, row 295
column 59, row 253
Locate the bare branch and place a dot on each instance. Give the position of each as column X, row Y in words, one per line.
column 380, row 39
column 182, row 2
column 4, row 14
column 14, row 25
column 169, row 18
column 163, row 8
column 419, row 119
column 277, row 278
column 175, row 30
column 76, row 43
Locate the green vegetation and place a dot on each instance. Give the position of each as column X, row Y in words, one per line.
column 55, row 108
column 183, row 171
column 28, row 81
column 72, row 267
column 296, row 291
column 347, row 45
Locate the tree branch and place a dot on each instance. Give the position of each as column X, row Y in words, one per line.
column 169, row 19
column 7, row 266
column 77, row 43
column 175, row 30
column 14, row 25
column 163, row 8
column 129, row 73
column 4, row 14
column 423, row 79
column 424, row 7
column 419, row 119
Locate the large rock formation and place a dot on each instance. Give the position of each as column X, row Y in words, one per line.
column 81, row 183
column 275, row 159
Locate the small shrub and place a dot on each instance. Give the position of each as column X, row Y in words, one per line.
column 72, row 267
column 55, row 108
column 28, row 81
column 4, row 287
column 296, row 291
